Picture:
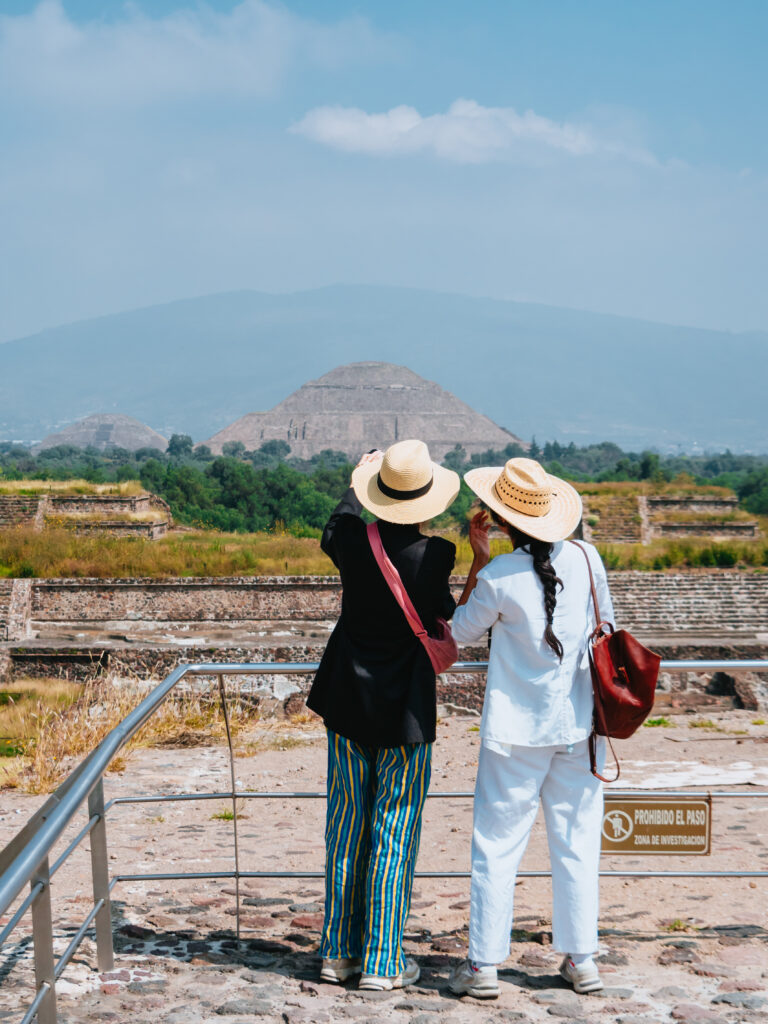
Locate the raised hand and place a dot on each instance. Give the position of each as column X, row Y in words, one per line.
column 479, row 525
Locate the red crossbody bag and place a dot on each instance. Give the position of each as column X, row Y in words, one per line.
column 441, row 649
column 624, row 675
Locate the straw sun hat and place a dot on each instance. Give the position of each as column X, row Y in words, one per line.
column 405, row 485
column 523, row 493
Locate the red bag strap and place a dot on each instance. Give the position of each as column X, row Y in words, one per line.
column 583, row 550
column 393, row 581
column 596, row 689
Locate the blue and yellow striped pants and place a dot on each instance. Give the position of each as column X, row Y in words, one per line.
column 373, row 826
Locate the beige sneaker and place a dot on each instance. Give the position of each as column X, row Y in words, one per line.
column 584, row 978
column 468, row 980
column 336, row 971
column 381, row 983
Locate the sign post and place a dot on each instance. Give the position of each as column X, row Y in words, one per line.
column 657, row 825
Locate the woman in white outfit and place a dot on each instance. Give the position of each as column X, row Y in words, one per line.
column 537, row 718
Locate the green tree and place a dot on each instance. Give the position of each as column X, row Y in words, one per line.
column 179, row 446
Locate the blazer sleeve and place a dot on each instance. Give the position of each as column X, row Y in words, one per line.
column 447, row 604
column 348, row 506
column 472, row 620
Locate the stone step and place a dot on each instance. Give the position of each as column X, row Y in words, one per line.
column 16, row 510
column 6, row 589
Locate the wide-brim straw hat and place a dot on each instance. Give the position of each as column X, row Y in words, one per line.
column 523, row 493
column 405, row 485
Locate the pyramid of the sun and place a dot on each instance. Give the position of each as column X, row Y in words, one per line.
column 107, row 430
column 367, row 405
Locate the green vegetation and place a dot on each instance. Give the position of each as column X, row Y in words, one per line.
column 691, row 553
column 659, row 723
column 245, row 491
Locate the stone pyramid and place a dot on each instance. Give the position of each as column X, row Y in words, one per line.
column 367, row 405
column 106, row 430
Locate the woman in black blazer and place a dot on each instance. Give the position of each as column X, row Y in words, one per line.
column 375, row 690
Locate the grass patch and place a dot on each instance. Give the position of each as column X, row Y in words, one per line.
column 706, row 723
column 662, row 722
column 678, row 925
column 125, row 489
column 225, row 815
column 62, row 553
column 758, row 721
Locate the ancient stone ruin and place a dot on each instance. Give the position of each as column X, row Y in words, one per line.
column 136, row 515
column 630, row 518
column 145, row 627
column 106, row 430
column 367, row 405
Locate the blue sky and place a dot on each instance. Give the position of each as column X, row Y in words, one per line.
column 610, row 156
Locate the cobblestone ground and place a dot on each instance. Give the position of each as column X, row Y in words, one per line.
column 687, row 950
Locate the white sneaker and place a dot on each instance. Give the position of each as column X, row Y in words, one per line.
column 584, row 977
column 336, row 971
column 382, row 983
column 480, row 982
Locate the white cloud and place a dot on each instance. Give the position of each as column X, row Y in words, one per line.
column 466, row 133
column 136, row 59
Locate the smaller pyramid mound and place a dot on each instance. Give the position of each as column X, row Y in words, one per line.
column 367, row 405
column 106, row 430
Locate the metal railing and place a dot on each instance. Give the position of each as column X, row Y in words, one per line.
column 25, row 860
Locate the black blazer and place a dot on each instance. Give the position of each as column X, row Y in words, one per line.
column 375, row 683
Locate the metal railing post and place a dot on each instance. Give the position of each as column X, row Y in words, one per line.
column 42, row 934
column 223, row 695
column 105, row 955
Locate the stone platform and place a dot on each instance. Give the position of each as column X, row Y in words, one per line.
column 690, row 950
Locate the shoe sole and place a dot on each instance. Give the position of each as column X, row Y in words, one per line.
column 477, row 993
column 584, row 989
column 336, row 977
column 376, row 986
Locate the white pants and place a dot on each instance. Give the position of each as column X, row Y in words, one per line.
column 507, row 794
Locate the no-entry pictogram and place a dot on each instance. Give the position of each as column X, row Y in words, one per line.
column 657, row 825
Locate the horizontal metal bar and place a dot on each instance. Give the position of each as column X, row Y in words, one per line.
column 41, row 994
column 77, row 938
column 467, row 794
column 75, row 843
column 34, row 891
column 302, row 667
column 176, row 876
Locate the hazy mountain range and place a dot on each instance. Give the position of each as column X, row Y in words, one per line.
column 196, row 365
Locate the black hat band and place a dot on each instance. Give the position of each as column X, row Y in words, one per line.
column 391, row 492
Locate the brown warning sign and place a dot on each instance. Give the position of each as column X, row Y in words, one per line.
column 657, row 825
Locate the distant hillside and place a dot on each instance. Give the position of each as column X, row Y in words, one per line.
column 195, row 366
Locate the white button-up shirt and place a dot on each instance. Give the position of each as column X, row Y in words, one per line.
column 531, row 698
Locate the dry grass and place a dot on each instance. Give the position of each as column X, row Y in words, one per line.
column 52, row 738
column 127, row 488
column 683, row 488
column 710, row 518
column 62, row 553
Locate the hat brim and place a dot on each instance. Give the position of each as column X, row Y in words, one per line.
column 561, row 520
column 442, row 494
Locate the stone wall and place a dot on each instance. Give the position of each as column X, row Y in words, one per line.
column 699, row 503
column 720, row 602
column 198, row 599
column 744, row 531
column 103, row 504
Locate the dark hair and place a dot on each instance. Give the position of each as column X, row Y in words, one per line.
column 541, row 551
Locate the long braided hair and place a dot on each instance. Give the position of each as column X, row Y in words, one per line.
column 541, row 551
